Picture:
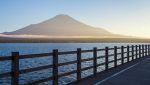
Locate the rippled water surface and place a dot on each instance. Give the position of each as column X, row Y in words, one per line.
column 33, row 48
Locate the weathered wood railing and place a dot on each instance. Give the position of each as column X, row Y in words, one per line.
column 137, row 51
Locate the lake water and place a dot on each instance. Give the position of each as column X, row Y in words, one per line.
column 33, row 48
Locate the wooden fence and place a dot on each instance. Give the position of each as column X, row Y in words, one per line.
column 137, row 51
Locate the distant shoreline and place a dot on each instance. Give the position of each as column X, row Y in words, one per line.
column 74, row 40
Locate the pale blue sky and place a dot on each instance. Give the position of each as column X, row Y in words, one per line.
column 129, row 17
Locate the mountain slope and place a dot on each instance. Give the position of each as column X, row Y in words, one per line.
column 61, row 25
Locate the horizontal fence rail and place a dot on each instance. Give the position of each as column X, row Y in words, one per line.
column 129, row 53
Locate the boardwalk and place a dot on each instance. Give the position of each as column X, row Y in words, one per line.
column 133, row 73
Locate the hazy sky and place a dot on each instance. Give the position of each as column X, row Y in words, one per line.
column 129, row 17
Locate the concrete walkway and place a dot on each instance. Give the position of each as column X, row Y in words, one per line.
column 136, row 72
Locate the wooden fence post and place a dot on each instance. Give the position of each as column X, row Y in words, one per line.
column 128, row 57
column 145, row 50
column 139, row 51
column 95, row 61
column 55, row 67
column 122, row 54
column 15, row 68
column 132, row 52
column 106, row 58
column 148, row 49
column 78, row 64
column 142, row 50
column 115, row 56
column 136, row 52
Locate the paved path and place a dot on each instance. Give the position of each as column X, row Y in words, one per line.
column 136, row 72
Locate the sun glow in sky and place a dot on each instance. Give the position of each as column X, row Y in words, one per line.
column 127, row 17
